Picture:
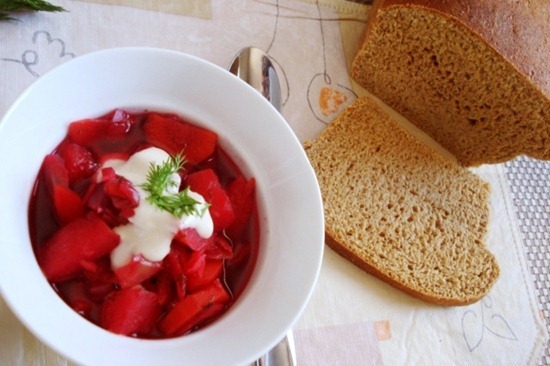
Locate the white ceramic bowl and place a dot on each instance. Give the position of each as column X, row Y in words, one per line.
column 249, row 128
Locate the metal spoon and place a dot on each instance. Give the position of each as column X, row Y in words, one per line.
column 253, row 66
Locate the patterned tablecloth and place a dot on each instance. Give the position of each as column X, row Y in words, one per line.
column 529, row 184
column 353, row 318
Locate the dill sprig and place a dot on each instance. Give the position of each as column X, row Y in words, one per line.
column 12, row 6
column 159, row 179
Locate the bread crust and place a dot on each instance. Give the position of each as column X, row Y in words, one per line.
column 518, row 30
column 344, row 251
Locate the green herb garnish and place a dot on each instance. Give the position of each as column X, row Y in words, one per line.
column 12, row 6
column 160, row 179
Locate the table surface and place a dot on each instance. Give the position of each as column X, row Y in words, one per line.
column 312, row 43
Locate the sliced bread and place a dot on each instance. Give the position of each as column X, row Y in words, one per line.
column 473, row 74
column 401, row 211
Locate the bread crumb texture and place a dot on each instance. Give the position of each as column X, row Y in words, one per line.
column 399, row 210
column 443, row 77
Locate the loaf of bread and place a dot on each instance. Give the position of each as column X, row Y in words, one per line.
column 473, row 74
column 400, row 210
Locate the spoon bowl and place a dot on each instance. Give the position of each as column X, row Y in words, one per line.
column 252, row 65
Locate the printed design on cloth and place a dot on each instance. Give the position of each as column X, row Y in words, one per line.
column 43, row 43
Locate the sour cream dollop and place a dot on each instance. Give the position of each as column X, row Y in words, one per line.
column 151, row 230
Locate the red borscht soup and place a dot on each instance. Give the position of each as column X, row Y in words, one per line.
column 143, row 224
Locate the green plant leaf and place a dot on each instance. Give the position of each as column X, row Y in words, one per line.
column 7, row 7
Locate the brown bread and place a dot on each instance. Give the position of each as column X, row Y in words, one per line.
column 473, row 74
column 401, row 211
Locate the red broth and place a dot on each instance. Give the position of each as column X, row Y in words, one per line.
column 72, row 222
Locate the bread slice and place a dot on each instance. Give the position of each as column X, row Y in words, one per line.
column 400, row 210
column 473, row 74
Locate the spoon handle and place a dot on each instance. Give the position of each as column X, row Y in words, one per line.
column 283, row 354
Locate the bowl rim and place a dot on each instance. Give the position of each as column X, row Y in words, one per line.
column 302, row 185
